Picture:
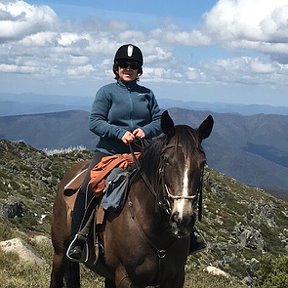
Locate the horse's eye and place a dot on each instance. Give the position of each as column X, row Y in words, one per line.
column 167, row 163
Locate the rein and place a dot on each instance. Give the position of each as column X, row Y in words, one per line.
column 147, row 182
column 161, row 253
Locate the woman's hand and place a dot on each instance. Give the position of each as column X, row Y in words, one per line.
column 128, row 137
column 139, row 133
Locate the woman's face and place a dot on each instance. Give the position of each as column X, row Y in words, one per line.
column 127, row 70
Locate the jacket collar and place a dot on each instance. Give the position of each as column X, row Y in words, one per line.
column 129, row 84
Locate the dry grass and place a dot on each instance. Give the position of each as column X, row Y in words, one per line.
column 15, row 274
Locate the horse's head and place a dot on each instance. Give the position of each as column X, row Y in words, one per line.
column 183, row 161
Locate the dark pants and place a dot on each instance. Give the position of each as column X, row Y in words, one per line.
column 84, row 196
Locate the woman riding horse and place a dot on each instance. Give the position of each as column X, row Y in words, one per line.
column 122, row 112
column 147, row 244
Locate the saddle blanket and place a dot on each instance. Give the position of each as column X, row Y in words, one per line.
column 105, row 166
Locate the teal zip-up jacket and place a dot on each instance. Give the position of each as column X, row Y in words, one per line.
column 119, row 107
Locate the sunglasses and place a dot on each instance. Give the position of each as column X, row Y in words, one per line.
column 134, row 65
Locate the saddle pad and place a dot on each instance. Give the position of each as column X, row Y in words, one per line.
column 116, row 190
column 105, row 166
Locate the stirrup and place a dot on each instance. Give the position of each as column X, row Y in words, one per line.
column 84, row 251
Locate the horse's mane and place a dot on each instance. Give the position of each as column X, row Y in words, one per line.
column 150, row 157
column 151, row 154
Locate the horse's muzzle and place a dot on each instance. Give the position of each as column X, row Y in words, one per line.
column 181, row 224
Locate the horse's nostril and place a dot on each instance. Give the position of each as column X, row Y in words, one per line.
column 187, row 221
column 181, row 221
column 175, row 217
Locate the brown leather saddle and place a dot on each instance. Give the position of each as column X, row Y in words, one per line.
column 94, row 216
column 72, row 187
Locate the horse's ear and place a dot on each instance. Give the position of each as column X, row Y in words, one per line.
column 206, row 127
column 167, row 124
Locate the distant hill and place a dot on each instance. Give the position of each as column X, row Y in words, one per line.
column 252, row 149
column 27, row 103
column 19, row 104
column 20, row 108
column 240, row 223
column 49, row 130
column 243, row 109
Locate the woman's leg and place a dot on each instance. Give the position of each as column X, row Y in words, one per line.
column 83, row 198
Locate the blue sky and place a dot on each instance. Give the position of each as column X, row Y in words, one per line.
column 233, row 51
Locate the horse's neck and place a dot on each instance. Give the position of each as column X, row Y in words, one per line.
column 150, row 217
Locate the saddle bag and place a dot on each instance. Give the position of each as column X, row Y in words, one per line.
column 116, row 189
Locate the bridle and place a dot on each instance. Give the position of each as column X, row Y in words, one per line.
column 163, row 195
column 167, row 195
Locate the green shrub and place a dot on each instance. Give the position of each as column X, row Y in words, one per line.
column 6, row 232
column 273, row 272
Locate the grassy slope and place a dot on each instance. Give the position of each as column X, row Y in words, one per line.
column 31, row 176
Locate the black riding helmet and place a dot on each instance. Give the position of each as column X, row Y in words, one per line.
column 128, row 52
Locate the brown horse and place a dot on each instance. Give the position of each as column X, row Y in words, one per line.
column 147, row 244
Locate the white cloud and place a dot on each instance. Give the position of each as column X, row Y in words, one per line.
column 154, row 73
column 246, row 23
column 25, row 69
column 190, row 38
column 131, row 36
column 157, row 54
column 246, row 70
column 79, row 60
column 161, row 74
column 194, row 74
column 20, row 19
column 80, row 71
column 39, row 39
column 68, row 39
column 264, row 68
column 173, row 35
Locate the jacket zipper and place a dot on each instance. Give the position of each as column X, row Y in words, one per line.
column 131, row 108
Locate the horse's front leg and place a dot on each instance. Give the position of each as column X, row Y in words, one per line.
column 72, row 274
column 122, row 279
column 173, row 280
column 109, row 283
column 58, row 270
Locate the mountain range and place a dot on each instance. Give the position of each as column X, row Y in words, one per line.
column 18, row 104
column 252, row 149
